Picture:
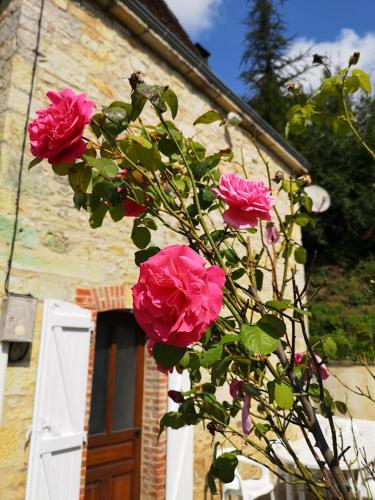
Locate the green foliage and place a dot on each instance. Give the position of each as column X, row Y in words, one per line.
column 166, row 355
column 344, row 311
column 248, row 350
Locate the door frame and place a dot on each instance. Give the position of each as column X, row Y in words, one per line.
column 155, row 388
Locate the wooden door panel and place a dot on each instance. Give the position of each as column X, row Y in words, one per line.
column 92, row 491
column 113, row 458
column 121, row 487
column 110, row 453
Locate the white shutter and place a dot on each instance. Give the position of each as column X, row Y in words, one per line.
column 179, row 483
column 60, row 400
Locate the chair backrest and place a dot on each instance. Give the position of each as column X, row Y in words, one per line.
column 265, row 473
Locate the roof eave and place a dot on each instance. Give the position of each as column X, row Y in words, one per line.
column 150, row 30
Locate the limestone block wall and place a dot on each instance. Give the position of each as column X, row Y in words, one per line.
column 84, row 48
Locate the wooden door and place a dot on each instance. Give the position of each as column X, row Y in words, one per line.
column 60, row 398
column 113, row 459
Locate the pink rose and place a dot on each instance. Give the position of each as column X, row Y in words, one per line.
column 56, row 132
column 176, row 298
column 271, row 233
column 248, row 201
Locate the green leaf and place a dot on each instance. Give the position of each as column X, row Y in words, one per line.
column 168, row 147
column 231, row 256
column 79, row 178
column 238, row 273
column 219, row 371
column 228, row 339
column 307, row 203
column 62, row 168
column 209, row 357
column 208, row 117
column 172, row 101
column 143, row 255
column 302, row 220
column 149, row 157
column 279, row 305
column 117, row 212
column 283, row 395
column 202, row 168
column 34, row 162
column 258, row 340
column 80, row 200
column 150, row 223
column 364, row 80
column 342, row 408
column 272, row 325
column 290, row 186
column 155, row 94
column 173, row 419
column 97, row 216
column 167, row 355
column 96, row 124
column 300, row 255
column 105, row 166
column 116, row 115
column 224, row 466
column 142, row 141
column 259, row 279
column 138, row 103
column 211, row 483
column 141, row 236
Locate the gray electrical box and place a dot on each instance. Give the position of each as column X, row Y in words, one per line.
column 18, row 318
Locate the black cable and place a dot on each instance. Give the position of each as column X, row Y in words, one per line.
column 22, row 158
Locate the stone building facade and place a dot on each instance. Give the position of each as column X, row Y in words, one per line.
column 93, row 46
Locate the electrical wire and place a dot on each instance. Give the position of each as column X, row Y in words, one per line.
column 22, row 158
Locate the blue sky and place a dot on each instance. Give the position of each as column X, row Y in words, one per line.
column 333, row 27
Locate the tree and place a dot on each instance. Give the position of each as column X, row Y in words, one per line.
column 268, row 68
column 343, row 166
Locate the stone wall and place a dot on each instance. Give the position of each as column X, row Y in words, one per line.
column 56, row 251
column 17, row 417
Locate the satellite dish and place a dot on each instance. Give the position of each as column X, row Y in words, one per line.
column 320, row 198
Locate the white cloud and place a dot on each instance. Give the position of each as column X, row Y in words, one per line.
column 338, row 53
column 195, row 15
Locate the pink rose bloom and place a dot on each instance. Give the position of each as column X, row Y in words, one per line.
column 56, row 132
column 271, row 233
column 176, row 298
column 249, row 201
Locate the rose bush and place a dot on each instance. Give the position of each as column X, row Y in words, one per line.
column 158, row 176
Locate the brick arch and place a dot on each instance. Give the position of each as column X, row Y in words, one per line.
column 153, row 465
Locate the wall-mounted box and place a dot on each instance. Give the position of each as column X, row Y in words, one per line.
column 18, row 318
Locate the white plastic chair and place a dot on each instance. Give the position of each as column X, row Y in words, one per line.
column 248, row 489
